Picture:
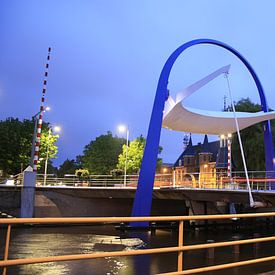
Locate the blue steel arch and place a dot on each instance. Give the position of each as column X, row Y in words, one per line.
column 143, row 198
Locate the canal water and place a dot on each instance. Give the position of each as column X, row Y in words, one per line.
column 45, row 241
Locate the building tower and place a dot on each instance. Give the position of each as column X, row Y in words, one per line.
column 207, row 169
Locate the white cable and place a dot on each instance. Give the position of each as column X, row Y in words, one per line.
column 251, row 200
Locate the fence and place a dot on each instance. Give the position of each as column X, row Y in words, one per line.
column 259, row 180
column 180, row 248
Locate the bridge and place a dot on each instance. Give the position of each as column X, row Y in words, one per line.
column 107, row 196
column 169, row 113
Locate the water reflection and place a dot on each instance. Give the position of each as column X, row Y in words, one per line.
column 46, row 241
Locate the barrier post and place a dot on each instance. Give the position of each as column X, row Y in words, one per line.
column 180, row 244
column 27, row 194
column 6, row 255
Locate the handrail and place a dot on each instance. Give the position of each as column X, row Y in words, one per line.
column 131, row 219
column 222, row 266
column 179, row 249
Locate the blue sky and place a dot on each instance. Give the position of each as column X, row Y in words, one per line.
column 107, row 57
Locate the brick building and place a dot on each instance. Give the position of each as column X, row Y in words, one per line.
column 203, row 164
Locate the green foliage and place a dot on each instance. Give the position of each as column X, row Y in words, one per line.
column 68, row 167
column 252, row 140
column 51, row 169
column 159, row 164
column 117, row 172
column 100, row 155
column 134, row 156
column 82, row 173
column 47, row 142
column 79, row 161
column 16, row 144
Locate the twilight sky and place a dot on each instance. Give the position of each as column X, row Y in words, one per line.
column 107, row 57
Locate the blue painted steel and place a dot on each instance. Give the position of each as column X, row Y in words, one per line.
column 143, row 198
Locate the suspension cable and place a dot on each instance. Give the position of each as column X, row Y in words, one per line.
column 251, row 200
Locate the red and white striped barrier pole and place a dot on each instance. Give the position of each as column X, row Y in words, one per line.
column 42, row 108
column 229, row 155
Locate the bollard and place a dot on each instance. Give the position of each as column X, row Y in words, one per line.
column 122, row 227
column 27, row 194
column 153, row 228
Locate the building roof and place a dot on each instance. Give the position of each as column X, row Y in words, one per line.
column 166, row 164
column 189, row 150
column 193, row 150
column 205, row 146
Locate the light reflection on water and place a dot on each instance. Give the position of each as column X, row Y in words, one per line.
column 40, row 242
column 46, row 241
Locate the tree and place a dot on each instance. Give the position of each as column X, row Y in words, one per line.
column 252, row 140
column 16, row 144
column 100, row 155
column 134, row 157
column 79, row 161
column 67, row 167
column 47, row 143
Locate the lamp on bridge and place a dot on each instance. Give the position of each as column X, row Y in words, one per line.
column 55, row 129
column 125, row 129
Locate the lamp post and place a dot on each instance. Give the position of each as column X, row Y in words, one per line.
column 36, row 117
column 56, row 129
column 123, row 129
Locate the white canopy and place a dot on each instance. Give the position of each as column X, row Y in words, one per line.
column 180, row 118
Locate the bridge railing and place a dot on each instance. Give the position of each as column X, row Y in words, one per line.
column 179, row 249
column 12, row 180
column 92, row 180
column 259, row 180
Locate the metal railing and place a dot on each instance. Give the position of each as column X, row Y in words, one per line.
column 180, row 248
column 259, row 180
column 94, row 180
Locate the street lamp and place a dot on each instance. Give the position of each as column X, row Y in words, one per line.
column 36, row 118
column 123, row 129
column 56, row 129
